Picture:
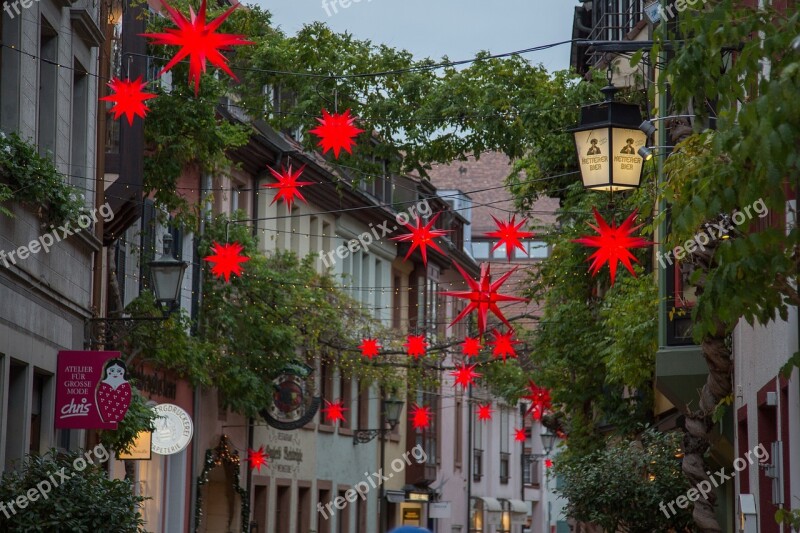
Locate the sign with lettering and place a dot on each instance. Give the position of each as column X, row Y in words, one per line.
column 141, row 450
column 92, row 390
column 174, row 429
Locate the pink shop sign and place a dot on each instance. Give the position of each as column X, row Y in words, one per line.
column 92, row 390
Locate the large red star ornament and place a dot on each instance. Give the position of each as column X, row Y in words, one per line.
column 226, row 260
column 539, row 398
column 485, row 412
column 257, row 458
column 422, row 236
column 520, row 435
column 613, row 244
column 503, row 344
column 288, row 186
column 509, row 235
column 198, row 41
column 465, row 375
column 369, row 348
column 334, row 412
column 336, row 132
column 548, row 463
column 420, row 417
column 416, row 346
column 483, row 296
column 471, row 347
column 128, row 98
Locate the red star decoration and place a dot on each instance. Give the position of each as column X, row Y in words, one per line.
column 540, row 400
column 416, row 346
column 257, row 458
column 369, row 348
column 288, row 186
column 226, row 260
column 465, row 375
column 485, row 412
column 422, row 237
column 128, row 98
column 504, row 344
column 198, row 41
column 483, row 296
column 336, row 132
column 613, row 244
column 420, row 416
column 334, row 412
column 509, row 234
column 560, row 434
column 520, row 435
column 471, row 346
column 548, row 463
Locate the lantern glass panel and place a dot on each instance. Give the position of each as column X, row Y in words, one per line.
column 626, row 163
column 593, row 150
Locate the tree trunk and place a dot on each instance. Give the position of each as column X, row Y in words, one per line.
column 699, row 423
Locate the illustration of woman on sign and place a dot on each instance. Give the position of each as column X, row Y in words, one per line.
column 594, row 149
column 113, row 394
column 628, row 148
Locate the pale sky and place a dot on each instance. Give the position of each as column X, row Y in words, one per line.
column 434, row 28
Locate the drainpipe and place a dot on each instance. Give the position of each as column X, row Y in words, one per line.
column 469, row 457
column 197, row 302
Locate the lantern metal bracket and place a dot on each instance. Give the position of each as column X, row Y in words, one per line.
column 363, row 436
column 110, row 332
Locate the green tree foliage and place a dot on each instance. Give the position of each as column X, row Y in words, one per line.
column 620, row 486
column 87, row 502
column 749, row 163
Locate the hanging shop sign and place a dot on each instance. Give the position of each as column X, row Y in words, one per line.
column 293, row 401
column 92, row 390
column 141, row 449
column 174, row 429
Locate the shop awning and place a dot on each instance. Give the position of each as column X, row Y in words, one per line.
column 395, row 496
column 491, row 505
column 519, row 506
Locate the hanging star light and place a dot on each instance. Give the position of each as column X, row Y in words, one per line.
column 465, row 375
column 128, row 98
column 520, row 435
column 334, row 412
column 226, row 260
column 548, row 463
column 198, row 41
column 369, row 348
column 539, row 398
column 420, row 417
column 483, row 296
column 471, row 347
column 485, row 412
column 257, row 458
column 504, row 344
column 416, row 346
column 509, row 235
column 336, row 132
column 288, row 186
column 613, row 244
column 422, row 237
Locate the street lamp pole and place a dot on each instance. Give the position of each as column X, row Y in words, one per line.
column 389, row 413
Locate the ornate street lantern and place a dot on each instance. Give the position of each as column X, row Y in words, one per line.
column 608, row 140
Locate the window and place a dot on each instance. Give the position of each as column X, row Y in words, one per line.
column 397, row 301
column 283, row 508
column 480, row 249
column 303, row 509
column 477, row 465
column 533, row 250
column 80, row 126
column 48, row 89
column 459, row 429
column 295, row 225
column 499, row 252
column 504, row 429
column 343, row 518
column 39, row 383
column 363, row 405
column 505, row 470
column 527, row 467
column 346, row 388
column 323, row 524
column 10, row 67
